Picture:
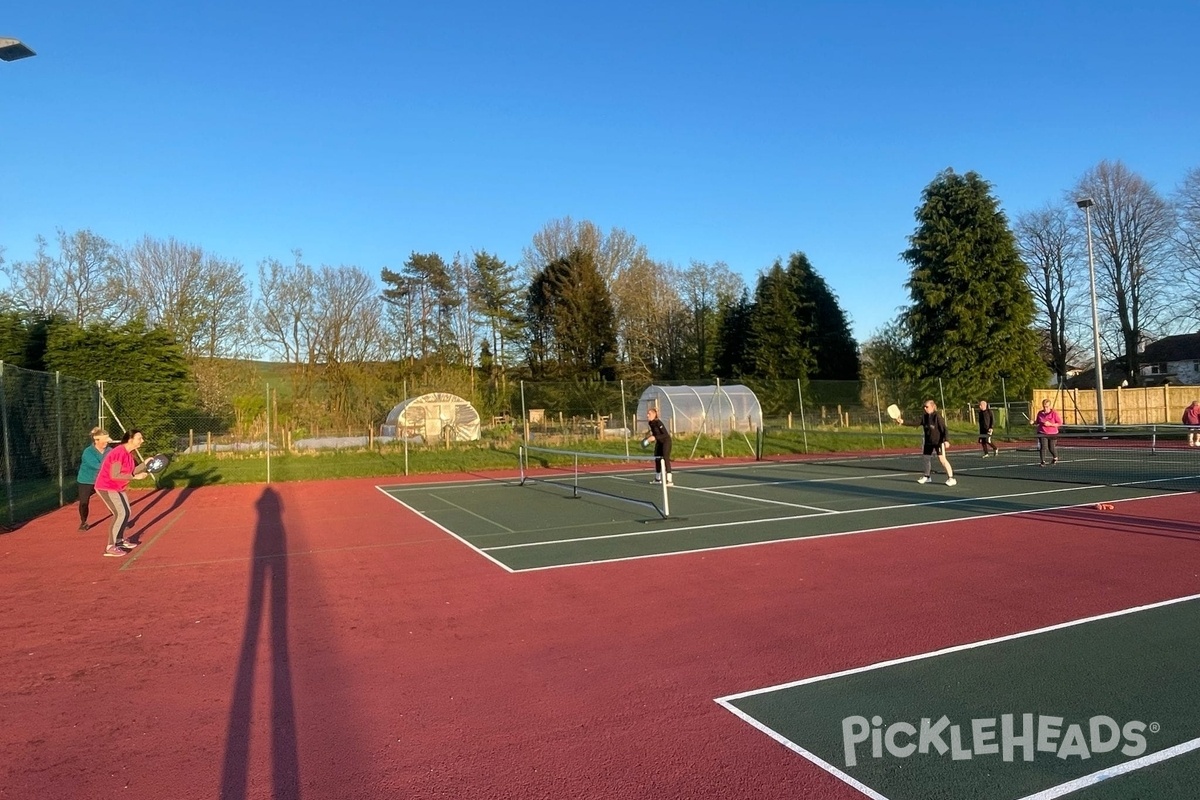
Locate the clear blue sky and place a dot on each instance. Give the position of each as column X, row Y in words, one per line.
column 736, row 132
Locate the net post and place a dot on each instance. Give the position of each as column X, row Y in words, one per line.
column 575, row 486
column 521, row 456
column 666, row 499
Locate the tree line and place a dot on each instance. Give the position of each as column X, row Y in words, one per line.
column 986, row 298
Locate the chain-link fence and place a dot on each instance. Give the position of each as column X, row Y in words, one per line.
column 47, row 418
column 45, row 423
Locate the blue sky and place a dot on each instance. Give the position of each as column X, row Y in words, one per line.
column 736, row 132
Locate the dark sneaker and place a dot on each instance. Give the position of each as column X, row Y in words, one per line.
column 83, row 526
column 112, row 551
column 127, row 545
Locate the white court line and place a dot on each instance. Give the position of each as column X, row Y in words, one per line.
column 754, row 499
column 1047, row 794
column 820, row 535
column 472, row 513
column 827, row 513
column 438, row 525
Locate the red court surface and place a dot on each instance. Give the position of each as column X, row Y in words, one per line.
column 316, row 640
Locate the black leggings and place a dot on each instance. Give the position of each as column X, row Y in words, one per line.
column 662, row 456
column 86, row 490
column 1046, row 442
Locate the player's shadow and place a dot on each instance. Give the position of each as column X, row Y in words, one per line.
column 267, row 600
column 1128, row 523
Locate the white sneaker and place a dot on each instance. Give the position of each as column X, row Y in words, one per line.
column 923, row 479
column 670, row 480
column 951, row 481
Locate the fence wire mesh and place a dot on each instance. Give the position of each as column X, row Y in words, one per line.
column 46, row 418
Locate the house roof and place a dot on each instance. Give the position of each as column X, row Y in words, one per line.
column 1185, row 347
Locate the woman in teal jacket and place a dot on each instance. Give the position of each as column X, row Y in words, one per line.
column 89, row 466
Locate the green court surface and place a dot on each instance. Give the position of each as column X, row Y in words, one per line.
column 1097, row 709
column 618, row 513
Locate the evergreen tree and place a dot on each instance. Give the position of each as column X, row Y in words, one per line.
column 732, row 358
column 144, row 370
column 971, row 315
column 834, row 351
column 571, row 322
column 780, row 328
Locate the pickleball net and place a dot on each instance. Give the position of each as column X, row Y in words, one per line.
column 1151, row 456
column 627, row 479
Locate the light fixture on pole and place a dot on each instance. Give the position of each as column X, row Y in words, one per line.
column 1086, row 204
column 12, row 49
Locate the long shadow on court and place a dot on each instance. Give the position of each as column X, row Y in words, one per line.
column 268, row 585
column 876, row 493
column 1125, row 523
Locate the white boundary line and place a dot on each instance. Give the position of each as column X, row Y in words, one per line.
column 847, row 512
column 485, row 550
column 1047, row 794
column 441, row 527
column 819, row 535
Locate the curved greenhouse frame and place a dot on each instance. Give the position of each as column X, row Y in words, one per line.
column 711, row 410
column 437, row 416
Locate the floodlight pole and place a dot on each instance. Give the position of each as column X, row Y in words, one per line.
column 13, row 49
column 1086, row 204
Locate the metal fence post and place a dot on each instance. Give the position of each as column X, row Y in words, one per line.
column 1007, row 410
column 58, row 418
column 8, row 487
column 879, row 414
column 803, row 424
column 267, row 432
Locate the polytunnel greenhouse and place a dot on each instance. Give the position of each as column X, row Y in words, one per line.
column 710, row 410
column 438, row 416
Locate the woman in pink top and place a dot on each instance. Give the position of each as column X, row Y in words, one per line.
column 1047, row 422
column 116, row 471
column 1191, row 417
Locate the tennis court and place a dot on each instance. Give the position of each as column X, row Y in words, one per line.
column 1033, row 716
column 602, row 510
column 319, row 639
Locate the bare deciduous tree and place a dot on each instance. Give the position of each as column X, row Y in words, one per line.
column 1049, row 246
column 643, row 296
column 704, row 290
column 80, row 284
column 89, row 275
column 1187, row 210
column 284, row 309
column 201, row 299
column 1133, row 241
column 559, row 238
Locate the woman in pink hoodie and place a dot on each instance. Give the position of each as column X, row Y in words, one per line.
column 1191, row 418
column 1047, row 422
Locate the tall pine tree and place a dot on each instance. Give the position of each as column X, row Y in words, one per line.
column 834, row 351
column 972, row 313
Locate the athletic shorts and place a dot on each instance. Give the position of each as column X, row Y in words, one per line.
column 933, row 450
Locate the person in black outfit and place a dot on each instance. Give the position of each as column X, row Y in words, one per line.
column 987, row 421
column 936, row 441
column 662, row 446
